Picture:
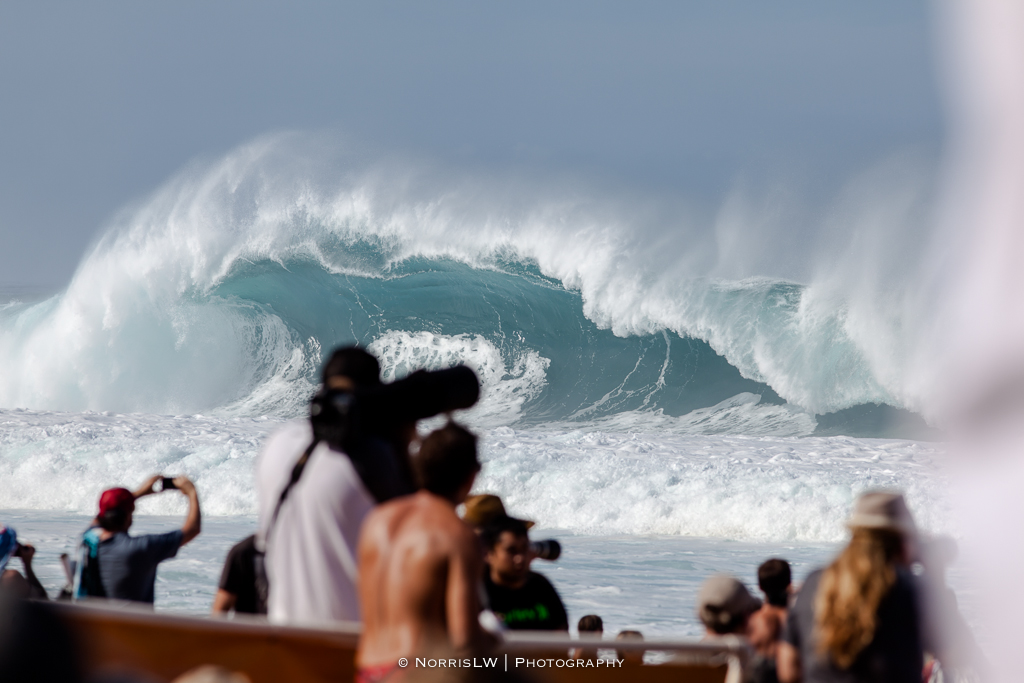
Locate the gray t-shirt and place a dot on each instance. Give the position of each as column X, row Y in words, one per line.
column 893, row 656
column 128, row 563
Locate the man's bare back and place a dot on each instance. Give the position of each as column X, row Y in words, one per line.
column 419, row 568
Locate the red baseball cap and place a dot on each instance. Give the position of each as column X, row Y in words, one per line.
column 117, row 499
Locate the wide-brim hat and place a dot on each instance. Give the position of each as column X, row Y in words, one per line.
column 484, row 509
column 724, row 598
column 882, row 510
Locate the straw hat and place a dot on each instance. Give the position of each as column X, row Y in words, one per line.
column 483, row 509
column 882, row 510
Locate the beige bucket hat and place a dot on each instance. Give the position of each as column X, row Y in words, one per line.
column 882, row 510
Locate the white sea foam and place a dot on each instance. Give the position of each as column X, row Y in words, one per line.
column 62, row 461
column 504, row 387
column 582, row 480
column 755, row 488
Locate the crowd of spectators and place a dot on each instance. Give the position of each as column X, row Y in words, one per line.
column 358, row 522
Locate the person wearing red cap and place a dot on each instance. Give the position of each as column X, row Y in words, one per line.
column 113, row 564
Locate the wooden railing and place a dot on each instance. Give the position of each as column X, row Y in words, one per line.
column 121, row 638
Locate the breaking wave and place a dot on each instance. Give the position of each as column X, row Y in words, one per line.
column 222, row 292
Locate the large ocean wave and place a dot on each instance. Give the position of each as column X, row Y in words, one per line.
column 223, row 291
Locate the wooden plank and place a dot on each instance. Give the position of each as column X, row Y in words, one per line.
column 166, row 647
column 162, row 646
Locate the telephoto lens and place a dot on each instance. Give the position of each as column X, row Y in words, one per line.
column 548, row 549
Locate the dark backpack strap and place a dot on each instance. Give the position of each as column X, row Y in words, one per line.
column 259, row 566
column 300, row 465
column 91, row 582
column 92, row 579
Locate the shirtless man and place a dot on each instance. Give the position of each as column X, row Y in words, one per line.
column 420, row 565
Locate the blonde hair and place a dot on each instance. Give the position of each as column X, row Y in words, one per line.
column 851, row 589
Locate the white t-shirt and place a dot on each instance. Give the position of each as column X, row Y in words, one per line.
column 311, row 560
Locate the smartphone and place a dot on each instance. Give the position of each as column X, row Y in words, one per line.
column 168, row 484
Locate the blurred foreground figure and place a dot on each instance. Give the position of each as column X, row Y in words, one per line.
column 242, row 588
column 979, row 380
column 27, row 586
column 212, row 674
column 590, row 627
column 630, row 657
column 311, row 550
column 419, row 564
column 35, row 645
column 765, row 626
column 729, row 612
column 858, row 620
column 317, row 479
column 113, row 564
column 724, row 606
column 949, row 642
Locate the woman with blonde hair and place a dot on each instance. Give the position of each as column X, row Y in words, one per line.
column 858, row 619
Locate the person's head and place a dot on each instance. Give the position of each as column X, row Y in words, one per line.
column 507, row 546
column 853, row 586
column 210, row 673
column 774, row 578
column 724, row 604
column 630, row 656
column 591, row 623
column 446, row 464
column 116, row 508
column 350, row 367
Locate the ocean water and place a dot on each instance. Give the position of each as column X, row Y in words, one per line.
column 643, row 518
column 663, row 412
column 643, row 582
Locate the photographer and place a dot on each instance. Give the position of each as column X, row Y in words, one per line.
column 318, row 478
column 11, row 581
column 522, row 599
column 114, row 565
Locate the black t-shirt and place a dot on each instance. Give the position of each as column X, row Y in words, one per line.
column 534, row 607
column 893, row 656
column 239, row 577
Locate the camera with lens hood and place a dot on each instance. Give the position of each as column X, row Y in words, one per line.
column 549, row 549
column 368, row 423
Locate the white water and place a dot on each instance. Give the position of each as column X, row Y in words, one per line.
column 504, row 387
column 584, row 480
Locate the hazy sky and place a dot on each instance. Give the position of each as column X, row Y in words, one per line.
column 100, row 102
